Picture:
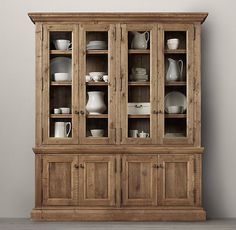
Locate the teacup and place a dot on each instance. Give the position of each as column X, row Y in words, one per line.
column 62, row 44
column 96, row 78
column 97, row 132
column 133, row 133
column 105, row 78
column 57, row 111
column 65, row 110
column 143, row 135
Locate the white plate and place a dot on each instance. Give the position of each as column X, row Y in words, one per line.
column 96, row 42
column 61, row 65
column 175, row 98
column 96, row 47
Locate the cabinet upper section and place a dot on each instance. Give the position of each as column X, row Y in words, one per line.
column 183, row 17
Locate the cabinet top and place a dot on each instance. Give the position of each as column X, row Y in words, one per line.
column 183, row 17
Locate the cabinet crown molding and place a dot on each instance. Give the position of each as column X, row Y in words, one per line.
column 181, row 17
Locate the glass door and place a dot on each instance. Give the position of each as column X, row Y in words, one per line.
column 138, row 84
column 98, row 87
column 176, row 84
column 59, row 84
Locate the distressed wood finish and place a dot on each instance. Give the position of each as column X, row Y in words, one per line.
column 177, row 180
column 97, row 180
column 139, row 180
column 115, row 177
column 59, row 180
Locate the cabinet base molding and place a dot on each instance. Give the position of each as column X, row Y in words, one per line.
column 117, row 215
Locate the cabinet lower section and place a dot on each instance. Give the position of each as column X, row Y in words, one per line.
column 135, row 187
column 119, row 214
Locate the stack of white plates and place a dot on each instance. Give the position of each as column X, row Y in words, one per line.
column 139, row 74
column 96, row 45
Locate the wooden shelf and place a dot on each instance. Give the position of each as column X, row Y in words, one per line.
column 138, row 116
column 139, row 83
column 138, row 51
column 97, row 51
column 97, row 116
column 178, row 51
column 173, row 115
column 61, row 83
column 100, row 83
column 61, row 52
column 176, row 83
column 60, row 116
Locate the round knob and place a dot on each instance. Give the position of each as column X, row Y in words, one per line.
column 76, row 166
column 154, row 166
column 76, row 112
column 154, row 112
column 81, row 166
column 81, row 112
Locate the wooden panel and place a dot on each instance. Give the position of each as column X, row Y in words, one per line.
column 139, row 181
column 97, row 180
column 177, row 179
column 60, row 180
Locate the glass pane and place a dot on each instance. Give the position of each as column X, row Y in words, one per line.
column 60, row 104
column 175, row 84
column 97, row 84
column 139, row 84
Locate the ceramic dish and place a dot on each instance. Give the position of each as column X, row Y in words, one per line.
column 61, row 65
column 175, row 98
column 96, row 47
column 174, row 135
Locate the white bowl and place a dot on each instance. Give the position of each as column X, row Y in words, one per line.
column 175, row 109
column 65, row 110
column 61, row 76
column 97, row 132
column 99, row 74
column 173, row 43
column 139, row 77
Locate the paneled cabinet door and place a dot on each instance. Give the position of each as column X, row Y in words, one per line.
column 176, row 83
column 97, row 55
column 60, row 178
column 60, row 84
column 138, row 83
column 177, row 179
column 139, row 180
column 97, row 180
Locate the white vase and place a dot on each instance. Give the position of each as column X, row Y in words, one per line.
column 96, row 104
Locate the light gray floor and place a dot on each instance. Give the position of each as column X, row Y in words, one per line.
column 26, row 224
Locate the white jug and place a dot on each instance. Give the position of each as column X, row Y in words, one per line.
column 140, row 40
column 175, row 70
column 96, row 104
column 61, row 129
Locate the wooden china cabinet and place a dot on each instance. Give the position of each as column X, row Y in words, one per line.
column 119, row 174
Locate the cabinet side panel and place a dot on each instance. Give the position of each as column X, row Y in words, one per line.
column 197, row 85
column 38, row 83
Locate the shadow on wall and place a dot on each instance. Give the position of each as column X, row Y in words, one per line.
column 212, row 188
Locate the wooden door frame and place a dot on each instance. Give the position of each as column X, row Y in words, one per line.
column 125, row 201
column 189, row 28
column 111, row 29
column 73, row 160
column 47, row 28
column 124, row 82
column 111, row 160
column 190, row 160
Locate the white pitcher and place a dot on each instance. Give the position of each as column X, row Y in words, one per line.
column 175, row 70
column 140, row 40
column 62, row 129
column 96, row 104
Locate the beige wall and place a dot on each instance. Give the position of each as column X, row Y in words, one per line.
column 17, row 96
